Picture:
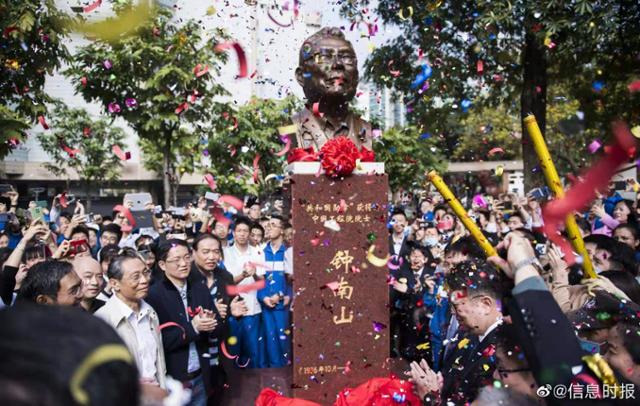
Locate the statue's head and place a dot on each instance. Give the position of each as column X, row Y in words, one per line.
column 328, row 67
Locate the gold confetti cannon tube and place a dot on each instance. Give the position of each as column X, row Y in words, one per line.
column 457, row 208
column 553, row 181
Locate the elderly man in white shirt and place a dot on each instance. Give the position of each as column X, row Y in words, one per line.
column 242, row 261
column 133, row 318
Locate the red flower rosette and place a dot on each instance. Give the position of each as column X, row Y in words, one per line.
column 338, row 157
column 366, row 155
column 302, row 155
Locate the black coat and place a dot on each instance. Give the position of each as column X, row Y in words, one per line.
column 166, row 301
column 469, row 369
column 404, row 248
column 221, row 279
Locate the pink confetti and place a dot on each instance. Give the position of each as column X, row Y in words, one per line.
column 124, row 156
column 233, row 290
column 210, row 181
column 92, row 7
column 634, row 86
column 232, row 201
column 594, row 146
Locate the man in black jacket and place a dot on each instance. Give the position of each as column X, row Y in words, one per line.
column 188, row 319
column 475, row 295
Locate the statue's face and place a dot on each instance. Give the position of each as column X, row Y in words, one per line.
column 330, row 72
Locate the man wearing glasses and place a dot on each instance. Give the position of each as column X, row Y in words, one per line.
column 328, row 74
column 134, row 319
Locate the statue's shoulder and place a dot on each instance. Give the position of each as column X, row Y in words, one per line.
column 300, row 116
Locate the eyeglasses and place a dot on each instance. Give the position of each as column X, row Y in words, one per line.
column 186, row 259
column 503, row 372
column 135, row 278
column 327, row 56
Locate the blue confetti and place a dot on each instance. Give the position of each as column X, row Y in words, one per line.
column 598, row 85
column 422, row 76
column 425, row 136
column 465, row 104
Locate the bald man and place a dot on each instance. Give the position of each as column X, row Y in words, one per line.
column 90, row 271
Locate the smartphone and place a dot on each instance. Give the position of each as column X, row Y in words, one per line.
column 37, row 213
column 541, row 249
column 88, row 218
column 539, row 193
column 507, row 205
column 620, row 185
column 77, row 246
column 143, row 218
column 212, row 196
column 139, row 200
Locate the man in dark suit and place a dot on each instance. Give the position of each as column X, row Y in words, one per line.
column 409, row 322
column 188, row 319
column 475, row 295
column 398, row 239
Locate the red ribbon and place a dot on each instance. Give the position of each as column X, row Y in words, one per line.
column 43, row 122
column 193, row 313
column 210, row 181
column 92, row 6
column 302, row 155
column 63, row 201
column 127, row 213
column 256, row 168
column 242, row 59
column 583, row 192
column 173, row 324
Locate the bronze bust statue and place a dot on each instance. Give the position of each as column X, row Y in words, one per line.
column 328, row 74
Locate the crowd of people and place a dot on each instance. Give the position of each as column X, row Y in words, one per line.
column 215, row 279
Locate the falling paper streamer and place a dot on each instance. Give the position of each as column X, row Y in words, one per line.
column 199, row 70
column 634, row 86
column 234, row 290
column 124, row 156
column 242, row 59
column 496, row 150
column 173, row 324
column 286, row 148
column 43, row 122
column 92, row 6
column 375, row 261
column 210, row 181
column 256, row 168
column 583, row 192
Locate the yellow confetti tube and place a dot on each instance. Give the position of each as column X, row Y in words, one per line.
column 553, row 181
column 457, row 208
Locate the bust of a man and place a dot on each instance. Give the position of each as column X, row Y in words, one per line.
column 328, row 74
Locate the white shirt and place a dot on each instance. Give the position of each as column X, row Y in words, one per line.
column 397, row 244
column 490, row 329
column 147, row 350
column 234, row 262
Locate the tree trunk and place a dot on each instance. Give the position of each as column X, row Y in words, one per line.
column 166, row 169
column 533, row 100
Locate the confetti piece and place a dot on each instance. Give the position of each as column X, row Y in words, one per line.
column 233, row 290
column 63, row 201
column 332, row 225
column 200, row 70
column 594, row 146
column 124, row 156
column 598, row 85
column 583, row 192
column 485, row 367
column 479, row 66
column 316, row 110
column 131, row 102
column 278, row 23
column 43, row 122
column 114, row 108
column 86, row 132
column 334, row 286
column 423, row 346
column 394, row 73
column 242, row 59
column 635, row 131
column 232, row 201
column 421, row 77
column 376, row 261
column 92, row 6
column 107, row 64
column 71, row 151
column 233, row 340
column 83, row 81
column 496, row 150
column 478, row 200
column 182, row 107
column 391, row 265
column 401, row 13
column 634, row 86
column 378, row 327
column 499, row 170
column 210, row 181
column 463, row 343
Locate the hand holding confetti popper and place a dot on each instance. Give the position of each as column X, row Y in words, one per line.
column 457, row 208
column 553, row 181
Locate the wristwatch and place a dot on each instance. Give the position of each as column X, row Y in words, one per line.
column 526, row 262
